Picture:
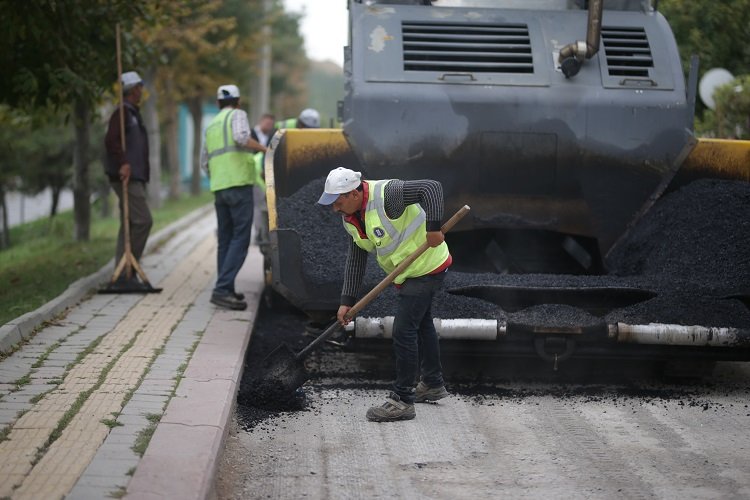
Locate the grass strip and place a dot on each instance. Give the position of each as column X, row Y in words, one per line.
column 40, row 361
column 143, row 438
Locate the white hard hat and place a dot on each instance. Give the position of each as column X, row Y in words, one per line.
column 227, row 92
column 130, row 80
column 339, row 181
column 310, row 118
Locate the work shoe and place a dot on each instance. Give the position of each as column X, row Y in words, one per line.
column 228, row 302
column 393, row 409
column 425, row 393
column 238, row 295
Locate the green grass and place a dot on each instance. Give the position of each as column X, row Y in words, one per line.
column 144, row 435
column 44, row 260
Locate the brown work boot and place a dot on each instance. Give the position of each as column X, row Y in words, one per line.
column 393, row 409
column 426, row 394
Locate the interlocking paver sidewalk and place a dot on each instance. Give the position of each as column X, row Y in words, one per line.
column 122, row 394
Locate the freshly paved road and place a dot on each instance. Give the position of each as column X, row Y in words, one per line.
column 525, row 441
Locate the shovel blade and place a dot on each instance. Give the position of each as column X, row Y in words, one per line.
column 283, row 372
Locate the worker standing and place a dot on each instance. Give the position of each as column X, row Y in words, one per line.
column 264, row 129
column 130, row 166
column 392, row 218
column 308, row 118
column 227, row 155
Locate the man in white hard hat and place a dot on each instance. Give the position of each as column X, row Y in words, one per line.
column 130, row 166
column 227, row 155
column 308, row 118
column 392, row 218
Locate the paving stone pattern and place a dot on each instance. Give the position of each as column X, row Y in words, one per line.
column 76, row 396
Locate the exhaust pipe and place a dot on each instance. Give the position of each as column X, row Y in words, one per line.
column 664, row 334
column 572, row 56
column 458, row 329
column 492, row 329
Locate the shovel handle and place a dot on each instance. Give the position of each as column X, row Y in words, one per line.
column 334, row 327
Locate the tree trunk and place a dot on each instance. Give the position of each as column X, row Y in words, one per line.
column 5, row 235
column 105, row 206
column 151, row 117
column 102, row 189
column 195, row 104
column 173, row 160
column 81, row 189
column 55, row 200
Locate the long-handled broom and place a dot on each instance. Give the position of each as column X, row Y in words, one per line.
column 128, row 261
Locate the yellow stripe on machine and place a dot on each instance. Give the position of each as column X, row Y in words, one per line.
column 719, row 158
column 296, row 157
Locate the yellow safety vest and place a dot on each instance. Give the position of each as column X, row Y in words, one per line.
column 259, row 157
column 393, row 240
column 288, row 123
column 229, row 164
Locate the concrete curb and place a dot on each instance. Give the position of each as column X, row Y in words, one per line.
column 183, row 455
column 23, row 327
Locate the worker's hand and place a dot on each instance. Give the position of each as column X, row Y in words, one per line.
column 255, row 145
column 340, row 315
column 125, row 172
column 434, row 238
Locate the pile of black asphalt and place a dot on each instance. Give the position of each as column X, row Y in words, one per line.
column 260, row 397
column 692, row 250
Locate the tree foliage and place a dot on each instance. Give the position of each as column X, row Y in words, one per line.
column 197, row 46
column 61, row 50
column 718, row 32
column 63, row 57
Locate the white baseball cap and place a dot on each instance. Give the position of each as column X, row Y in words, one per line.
column 339, row 181
column 130, row 80
column 227, row 92
column 310, row 118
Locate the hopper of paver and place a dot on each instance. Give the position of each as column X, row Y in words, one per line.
column 560, row 147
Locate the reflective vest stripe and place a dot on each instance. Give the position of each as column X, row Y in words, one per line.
column 227, row 148
column 399, row 238
column 378, row 203
column 228, row 163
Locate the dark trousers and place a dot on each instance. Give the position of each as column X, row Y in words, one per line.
column 139, row 216
column 234, row 217
column 414, row 334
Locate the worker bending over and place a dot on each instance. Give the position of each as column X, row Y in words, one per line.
column 392, row 218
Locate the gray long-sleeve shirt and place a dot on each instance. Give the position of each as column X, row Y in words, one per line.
column 397, row 195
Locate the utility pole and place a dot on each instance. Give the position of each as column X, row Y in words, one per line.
column 261, row 91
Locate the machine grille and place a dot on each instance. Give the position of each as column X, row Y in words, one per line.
column 627, row 51
column 467, row 48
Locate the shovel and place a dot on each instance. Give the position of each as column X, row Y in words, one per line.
column 283, row 368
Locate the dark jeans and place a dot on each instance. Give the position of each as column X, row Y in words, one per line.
column 414, row 334
column 234, row 216
column 140, row 219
